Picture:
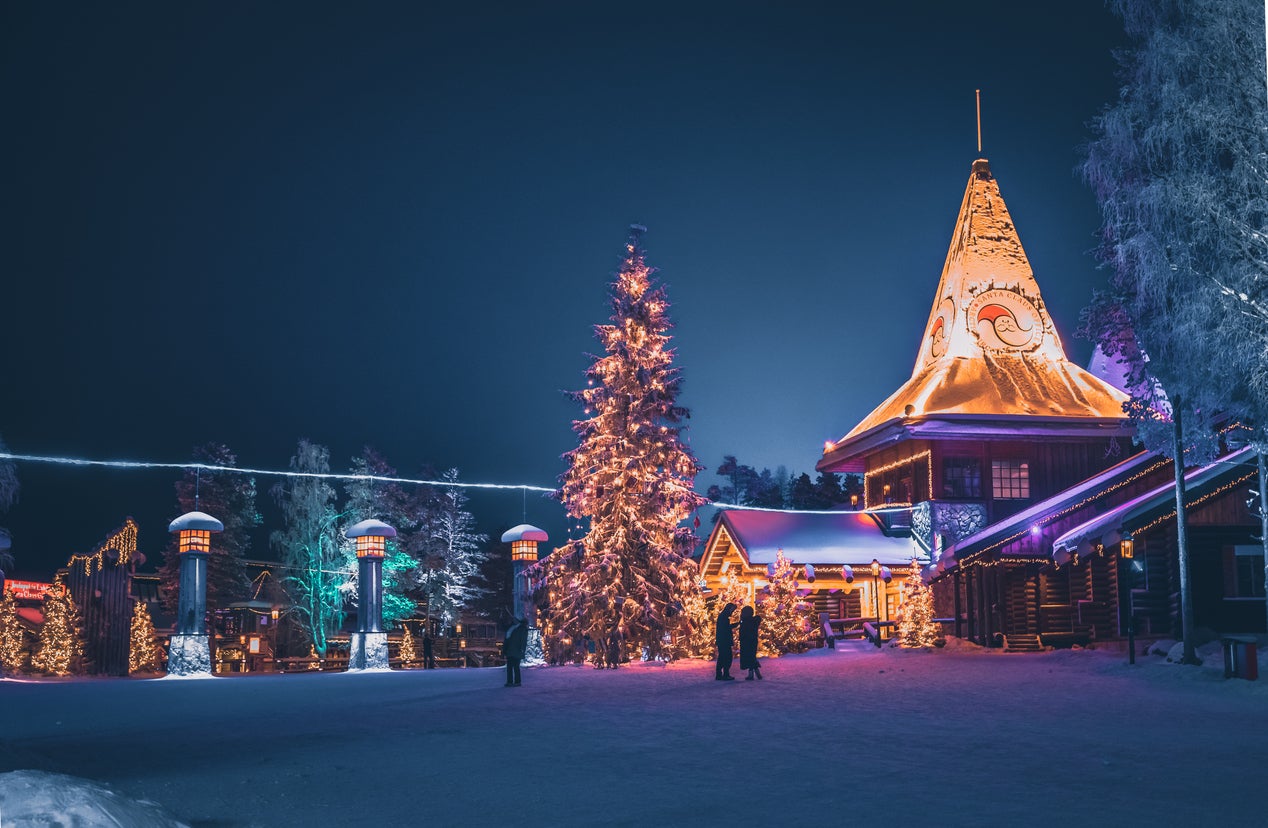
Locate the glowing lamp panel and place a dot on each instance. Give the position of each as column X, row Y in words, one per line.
column 524, row 550
column 371, row 546
column 195, row 540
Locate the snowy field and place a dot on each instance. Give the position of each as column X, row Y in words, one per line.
column 951, row 737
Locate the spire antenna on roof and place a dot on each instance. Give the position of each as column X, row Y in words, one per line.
column 979, row 121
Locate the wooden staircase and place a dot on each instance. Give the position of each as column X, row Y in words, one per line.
column 1022, row 643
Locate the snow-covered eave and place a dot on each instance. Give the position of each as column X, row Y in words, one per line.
column 1130, row 516
column 1037, row 513
column 846, row 455
column 888, row 550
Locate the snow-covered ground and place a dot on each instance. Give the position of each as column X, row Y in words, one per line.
column 950, row 737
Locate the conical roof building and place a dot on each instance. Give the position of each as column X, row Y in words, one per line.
column 991, row 365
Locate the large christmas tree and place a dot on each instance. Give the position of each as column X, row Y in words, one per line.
column 631, row 478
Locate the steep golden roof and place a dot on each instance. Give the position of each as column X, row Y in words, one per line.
column 990, row 347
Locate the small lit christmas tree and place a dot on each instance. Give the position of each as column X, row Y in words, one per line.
column 407, row 648
column 12, row 643
column 698, row 640
column 60, row 649
column 916, row 627
column 785, row 615
column 144, row 655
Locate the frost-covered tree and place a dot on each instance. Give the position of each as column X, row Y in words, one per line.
column 60, row 650
column 144, row 654
column 309, row 546
column 12, row 637
column 388, row 502
column 1179, row 165
column 786, row 617
column 630, row 477
column 230, row 498
column 916, row 627
column 458, row 550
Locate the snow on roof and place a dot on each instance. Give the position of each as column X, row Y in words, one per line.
column 1051, row 505
column 989, row 346
column 1135, row 512
column 196, row 521
column 525, row 531
column 370, row 528
column 808, row 538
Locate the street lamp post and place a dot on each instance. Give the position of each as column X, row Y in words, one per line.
column 369, row 643
column 876, row 595
column 190, row 650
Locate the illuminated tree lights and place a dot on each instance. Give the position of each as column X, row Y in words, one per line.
column 408, row 656
column 631, row 476
column 12, row 638
column 916, row 627
column 61, row 649
column 786, row 617
column 144, row 654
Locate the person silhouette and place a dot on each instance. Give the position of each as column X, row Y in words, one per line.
column 725, row 644
column 749, row 623
column 513, row 648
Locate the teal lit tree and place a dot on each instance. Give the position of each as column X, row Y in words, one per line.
column 630, row 479
column 309, row 545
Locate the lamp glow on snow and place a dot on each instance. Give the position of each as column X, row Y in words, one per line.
column 369, row 642
column 190, row 651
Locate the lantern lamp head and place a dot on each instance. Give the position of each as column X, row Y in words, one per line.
column 193, row 531
column 1127, row 547
column 876, row 567
column 371, row 537
column 523, row 540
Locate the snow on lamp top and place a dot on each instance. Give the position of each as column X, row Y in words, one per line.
column 371, row 537
column 523, row 540
column 194, row 531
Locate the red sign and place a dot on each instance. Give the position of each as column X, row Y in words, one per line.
column 26, row 590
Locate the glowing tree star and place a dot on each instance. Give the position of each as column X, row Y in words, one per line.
column 630, row 477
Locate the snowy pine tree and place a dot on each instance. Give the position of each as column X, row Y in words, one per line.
column 12, row 637
column 631, row 477
column 916, row 627
column 61, row 647
column 786, row 618
column 1178, row 166
column 144, row 655
column 230, row 498
column 460, row 550
column 310, row 549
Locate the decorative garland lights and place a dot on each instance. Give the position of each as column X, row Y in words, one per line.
column 925, row 455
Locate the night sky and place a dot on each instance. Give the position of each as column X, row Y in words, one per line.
column 395, row 225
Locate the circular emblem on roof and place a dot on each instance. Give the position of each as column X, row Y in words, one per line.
column 940, row 330
column 1005, row 321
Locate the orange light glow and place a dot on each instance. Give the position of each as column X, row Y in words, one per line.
column 195, row 540
column 524, row 550
column 371, row 546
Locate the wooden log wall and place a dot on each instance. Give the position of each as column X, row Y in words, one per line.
column 103, row 598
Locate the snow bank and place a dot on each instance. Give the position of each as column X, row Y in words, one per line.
column 31, row 798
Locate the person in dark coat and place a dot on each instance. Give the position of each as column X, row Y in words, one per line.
column 614, row 648
column 722, row 672
column 513, row 648
column 429, row 660
column 749, row 623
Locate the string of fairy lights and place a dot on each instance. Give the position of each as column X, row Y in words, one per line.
column 378, row 478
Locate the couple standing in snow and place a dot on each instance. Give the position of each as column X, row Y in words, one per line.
column 748, row 624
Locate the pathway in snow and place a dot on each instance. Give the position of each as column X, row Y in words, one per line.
column 947, row 737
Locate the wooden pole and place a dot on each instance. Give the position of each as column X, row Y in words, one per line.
column 979, row 118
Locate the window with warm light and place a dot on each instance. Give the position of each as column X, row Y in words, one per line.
column 371, row 546
column 1010, row 479
column 523, row 550
column 195, row 540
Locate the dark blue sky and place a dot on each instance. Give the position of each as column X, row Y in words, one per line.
column 224, row 221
